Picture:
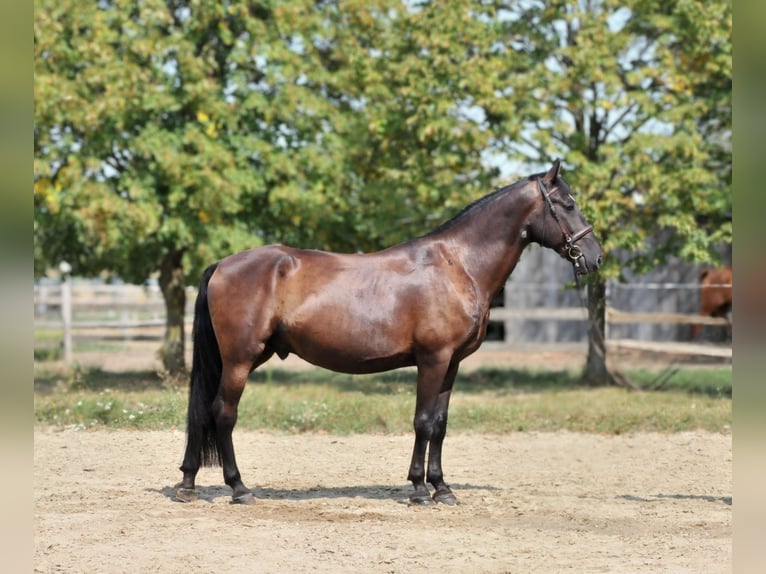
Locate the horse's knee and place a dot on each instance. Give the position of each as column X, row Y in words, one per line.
column 430, row 425
column 423, row 423
column 439, row 429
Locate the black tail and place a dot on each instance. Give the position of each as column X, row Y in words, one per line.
column 205, row 379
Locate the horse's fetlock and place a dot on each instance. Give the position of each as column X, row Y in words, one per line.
column 232, row 479
column 436, row 480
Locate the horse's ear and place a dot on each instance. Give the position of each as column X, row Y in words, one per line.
column 553, row 173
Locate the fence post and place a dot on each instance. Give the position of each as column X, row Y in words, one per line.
column 607, row 304
column 66, row 309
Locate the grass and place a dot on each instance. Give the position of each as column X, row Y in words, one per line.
column 487, row 401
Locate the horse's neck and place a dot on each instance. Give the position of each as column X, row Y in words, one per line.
column 491, row 265
column 490, row 243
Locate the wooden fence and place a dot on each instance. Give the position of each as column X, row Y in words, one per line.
column 81, row 309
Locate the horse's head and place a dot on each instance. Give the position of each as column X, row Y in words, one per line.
column 559, row 224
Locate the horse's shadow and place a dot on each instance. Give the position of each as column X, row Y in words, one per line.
column 656, row 497
column 370, row 492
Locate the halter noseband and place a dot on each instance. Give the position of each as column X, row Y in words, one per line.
column 574, row 253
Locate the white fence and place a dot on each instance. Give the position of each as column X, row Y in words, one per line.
column 87, row 310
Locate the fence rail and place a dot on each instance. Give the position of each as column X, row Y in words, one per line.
column 617, row 316
column 129, row 307
column 612, row 316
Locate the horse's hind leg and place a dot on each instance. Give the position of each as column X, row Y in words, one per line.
column 233, row 380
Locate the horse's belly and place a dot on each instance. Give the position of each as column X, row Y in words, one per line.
column 345, row 351
column 360, row 366
column 351, row 358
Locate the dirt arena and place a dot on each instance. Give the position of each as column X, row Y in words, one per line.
column 529, row 502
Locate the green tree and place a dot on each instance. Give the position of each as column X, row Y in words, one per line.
column 134, row 169
column 636, row 96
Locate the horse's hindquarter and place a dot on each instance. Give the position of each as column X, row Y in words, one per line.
column 367, row 313
column 716, row 292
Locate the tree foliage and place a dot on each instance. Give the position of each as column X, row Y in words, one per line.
column 129, row 162
column 636, row 96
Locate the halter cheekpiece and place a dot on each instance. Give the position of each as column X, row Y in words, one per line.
column 574, row 252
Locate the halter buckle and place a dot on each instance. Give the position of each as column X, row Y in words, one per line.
column 574, row 252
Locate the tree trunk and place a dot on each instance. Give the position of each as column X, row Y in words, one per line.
column 596, row 371
column 174, row 293
column 595, row 367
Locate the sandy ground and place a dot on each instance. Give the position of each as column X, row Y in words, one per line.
column 529, row 502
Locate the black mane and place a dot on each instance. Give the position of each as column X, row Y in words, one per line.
column 480, row 203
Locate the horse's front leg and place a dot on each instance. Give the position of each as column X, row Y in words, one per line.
column 433, row 377
column 442, row 493
column 225, row 414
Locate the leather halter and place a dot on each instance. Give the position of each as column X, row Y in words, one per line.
column 574, row 253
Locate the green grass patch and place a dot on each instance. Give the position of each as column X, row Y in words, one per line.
column 49, row 352
column 48, row 334
column 48, row 344
column 487, row 401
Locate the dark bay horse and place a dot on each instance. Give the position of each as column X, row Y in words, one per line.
column 422, row 303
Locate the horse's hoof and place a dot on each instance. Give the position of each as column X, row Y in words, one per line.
column 445, row 498
column 421, row 500
column 186, row 495
column 246, row 498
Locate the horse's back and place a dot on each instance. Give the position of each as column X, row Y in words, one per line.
column 716, row 277
column 253, row 264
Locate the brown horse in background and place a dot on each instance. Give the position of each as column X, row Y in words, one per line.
column 422, row 303
column 715, row 296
